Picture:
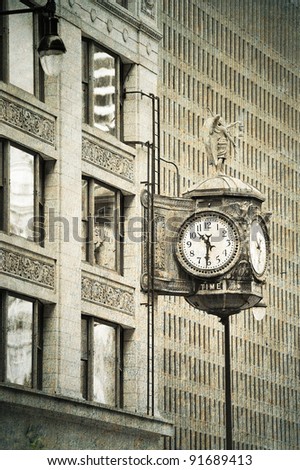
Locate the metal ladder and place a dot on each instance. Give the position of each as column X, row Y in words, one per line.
column 156, row 143
column 153, row 187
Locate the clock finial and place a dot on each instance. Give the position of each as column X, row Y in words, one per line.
column 216, row 140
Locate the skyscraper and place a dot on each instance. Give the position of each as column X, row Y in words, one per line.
column 239, row 60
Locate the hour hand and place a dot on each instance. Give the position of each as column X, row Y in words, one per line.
column 208, row 244
column 209, row 247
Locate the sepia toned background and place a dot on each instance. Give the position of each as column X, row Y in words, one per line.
column 91, row 357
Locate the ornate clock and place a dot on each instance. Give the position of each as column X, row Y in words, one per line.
column 259, row 244
column 208, row 244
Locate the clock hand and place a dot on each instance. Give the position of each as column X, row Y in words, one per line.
column 207, row 254
column 209, row 247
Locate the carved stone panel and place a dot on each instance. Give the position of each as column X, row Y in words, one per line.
column 107, row 293
column 27, row 120
column 160, row 242
column 107, row 160
column 169, row 215
column 27, row 268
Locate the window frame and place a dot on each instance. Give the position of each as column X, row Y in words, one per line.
column 37, row 339
column 122, row 3
column 118, row 224
column 38, row 190
column 88, row 359
column 88, row 47
column 38, row 29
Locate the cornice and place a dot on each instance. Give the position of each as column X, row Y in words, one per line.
column 131, row 20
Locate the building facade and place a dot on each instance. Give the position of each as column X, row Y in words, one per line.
column 88, row 359
column 74, row 342
column 239, row 60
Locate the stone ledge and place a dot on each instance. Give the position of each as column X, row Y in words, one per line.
column 80, row 412
column 106, row 156
column 27, row 117
column 28, row 267
column 108, row 293
column 131, row 19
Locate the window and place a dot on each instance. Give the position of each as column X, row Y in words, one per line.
column 101, row 89
column 123, row 3
column 101, row 361
column 102, row 225
column 20, row 65
column 21, row 340
column 21, row 192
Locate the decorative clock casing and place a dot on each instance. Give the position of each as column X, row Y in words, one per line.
column 212, row 246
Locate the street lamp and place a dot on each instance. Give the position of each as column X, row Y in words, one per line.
column 51, row 47
column 259, row 310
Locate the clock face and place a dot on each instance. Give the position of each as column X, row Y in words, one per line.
column 208, row 244
column 258, row 247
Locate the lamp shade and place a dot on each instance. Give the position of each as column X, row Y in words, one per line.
column 51, row 49
column 259, row 310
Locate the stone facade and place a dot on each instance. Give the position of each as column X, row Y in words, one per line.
column 54, row 412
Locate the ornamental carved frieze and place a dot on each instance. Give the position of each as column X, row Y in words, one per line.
column 27, row 120
column 160, row 242
column 103, row 158
column 103, row 292
column 241, row 271
column 27, row 268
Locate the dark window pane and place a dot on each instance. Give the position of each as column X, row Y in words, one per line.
column 1, row 186
column 85, row 62
column 84, row 339
column 39, row 347
column 85, row 82
column 84, row 373
column 124, row 3
column 84, row 200
column 84, row 358
column 84, row 221
column 85, row 108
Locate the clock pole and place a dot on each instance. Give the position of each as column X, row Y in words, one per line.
column 228, row 405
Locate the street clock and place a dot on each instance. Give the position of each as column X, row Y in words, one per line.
column 208, row 244
column 211, row 246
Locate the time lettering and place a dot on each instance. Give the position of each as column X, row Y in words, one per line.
column 211, row 286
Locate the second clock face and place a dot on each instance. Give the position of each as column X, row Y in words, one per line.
column 208, row 244
column 258, row 247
